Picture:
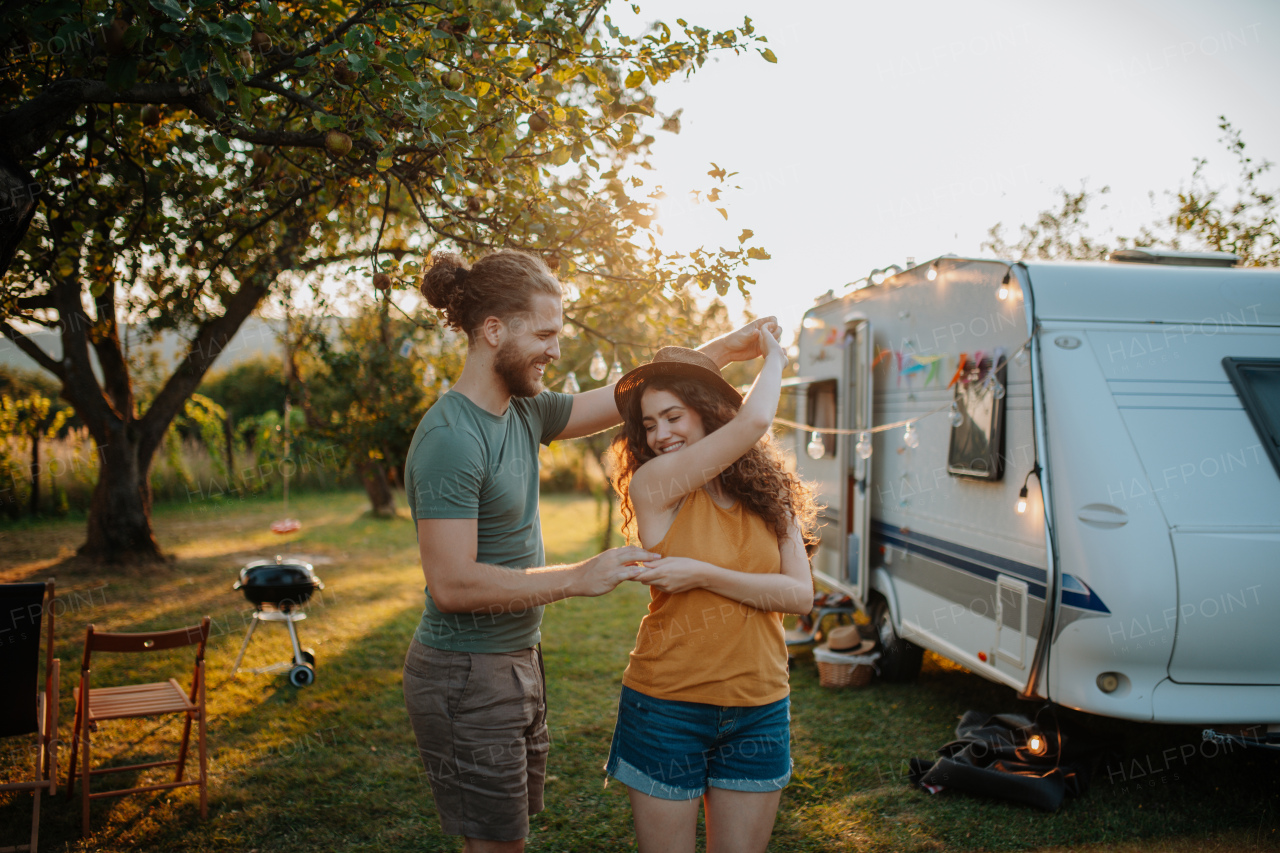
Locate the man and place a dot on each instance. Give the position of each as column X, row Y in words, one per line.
column 473, row 678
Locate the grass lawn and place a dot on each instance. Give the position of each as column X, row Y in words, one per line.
column 333, row 766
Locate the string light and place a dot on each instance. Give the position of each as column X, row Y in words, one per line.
column 932, row 274
column 1020, row 357
column 1003, row 292
column 615, row 373
column 1021, row 505
column 429, row 375
column 863, row 447
column 817, row 448
column 997, row 388
column 599, row 367
column 571, row 385
column 444, row 386
column 910, row 437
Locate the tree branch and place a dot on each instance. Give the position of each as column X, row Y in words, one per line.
column 31, row 349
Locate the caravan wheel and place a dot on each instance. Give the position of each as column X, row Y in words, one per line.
column 899, row 659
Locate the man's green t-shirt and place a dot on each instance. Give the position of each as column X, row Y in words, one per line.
column 465, row 462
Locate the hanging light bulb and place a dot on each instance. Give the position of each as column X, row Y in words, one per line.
column 863, row 447
column 816, row 448
column 571, row 385
column 1036, row 744
column 1022, row 500
column 429, row 375
column 1003, row 292
column 997, row 388
column 1020, row 357
column 615, row 373
column 444, row 386
column 910, row 437
column 932, row 274
column 599, row 368
column 954, row 415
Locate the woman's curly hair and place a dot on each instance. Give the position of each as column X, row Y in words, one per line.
column 758, row 478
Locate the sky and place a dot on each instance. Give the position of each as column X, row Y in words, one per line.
column 889, row 131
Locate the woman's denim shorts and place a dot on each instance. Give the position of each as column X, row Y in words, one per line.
column 676, row 750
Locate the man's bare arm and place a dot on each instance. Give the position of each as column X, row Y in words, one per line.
column 460, row 584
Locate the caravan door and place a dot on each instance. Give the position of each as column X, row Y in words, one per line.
column 856, row 415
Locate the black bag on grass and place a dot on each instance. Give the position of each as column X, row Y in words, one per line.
column 1007, row 756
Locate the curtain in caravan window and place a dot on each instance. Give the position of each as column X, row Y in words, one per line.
column 822, row 413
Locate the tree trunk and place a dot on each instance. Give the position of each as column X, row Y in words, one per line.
column 35, row 474
column 606, row 534
column 382, row 498
column 120, row 513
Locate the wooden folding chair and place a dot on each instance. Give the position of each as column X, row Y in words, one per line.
column 140, row 700
column 26, row 709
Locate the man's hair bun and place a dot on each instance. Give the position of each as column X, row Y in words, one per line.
column 443, row 284
column 499, row 284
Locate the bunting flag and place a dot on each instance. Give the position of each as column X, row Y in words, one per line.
column 880, row 356
column 832, row 337
column 959, row 370
column 935, row 364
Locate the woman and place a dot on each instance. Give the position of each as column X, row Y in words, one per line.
column 704, row 711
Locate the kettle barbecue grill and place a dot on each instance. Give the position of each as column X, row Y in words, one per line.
column 278, row 589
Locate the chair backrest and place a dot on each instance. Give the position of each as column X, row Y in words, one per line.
column 22, row 611
column 152, row 641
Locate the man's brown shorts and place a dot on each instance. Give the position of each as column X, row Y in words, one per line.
column 481, row 725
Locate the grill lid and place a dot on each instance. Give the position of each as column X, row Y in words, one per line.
column 278, row 573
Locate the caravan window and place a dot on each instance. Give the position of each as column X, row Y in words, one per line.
column 977, row 443
column 822, row 413
column 1257, row 383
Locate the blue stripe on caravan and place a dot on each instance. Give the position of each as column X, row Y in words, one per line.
column 1075, row 593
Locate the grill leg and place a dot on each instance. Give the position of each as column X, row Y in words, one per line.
column 293, row 636
column 253, row 624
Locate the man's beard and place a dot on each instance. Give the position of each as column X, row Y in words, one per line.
column 514, row 371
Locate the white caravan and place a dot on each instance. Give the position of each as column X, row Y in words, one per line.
column 1103, row 438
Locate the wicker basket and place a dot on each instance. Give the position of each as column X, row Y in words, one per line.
column 837, row 670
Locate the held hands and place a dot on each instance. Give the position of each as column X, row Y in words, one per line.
column 748, row 342
column 770, row 346
column 671, row 574
column 606, row 570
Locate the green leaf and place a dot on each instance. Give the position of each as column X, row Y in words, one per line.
column 385, row 163
column 723, row 212
column 756, row 254
column 220, row 142
column 218, row 85
column 768, row 55
column 746, row 235
column 324, row 121
column 170, row 8
column 236, row 29
column 560, row 156
column 635, row 78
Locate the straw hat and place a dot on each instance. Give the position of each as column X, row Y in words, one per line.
column 848, row 640
column 675, row 361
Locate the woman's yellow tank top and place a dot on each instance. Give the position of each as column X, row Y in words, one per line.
column 698, row 646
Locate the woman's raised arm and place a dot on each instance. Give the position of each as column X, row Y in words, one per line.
column 665, row 479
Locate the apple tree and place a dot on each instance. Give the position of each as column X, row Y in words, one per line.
column 168, row 165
